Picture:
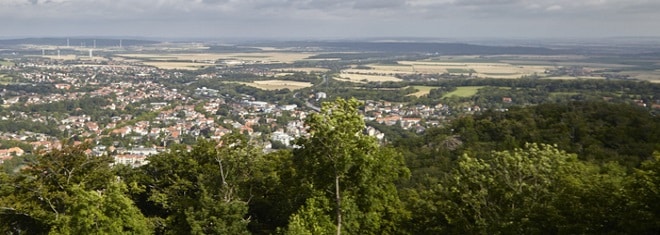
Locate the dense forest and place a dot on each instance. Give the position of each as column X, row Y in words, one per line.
column 560, row 168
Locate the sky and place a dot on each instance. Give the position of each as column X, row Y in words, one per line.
column 330, row 19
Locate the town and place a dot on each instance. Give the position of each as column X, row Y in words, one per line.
column 329, row 117
column 129, row 110
column 130, row 104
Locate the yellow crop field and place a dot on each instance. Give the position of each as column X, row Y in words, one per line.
column 393, row 68
column 502, row 70
column 573, row 78
column 428, row 67
column 492, row 70
column 258, row 57
column 304, row 70
column 377, row 69
column 149, row 56
column 178, row 65
column 454, row 57
column 278, row 84
column 433, row 69
column 123, row 59
column 270, row 57
column 651, row 76
column 364, row 78
column 201, row 60
column 62, row 57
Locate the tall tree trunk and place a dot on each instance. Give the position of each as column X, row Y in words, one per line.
column 338, row 204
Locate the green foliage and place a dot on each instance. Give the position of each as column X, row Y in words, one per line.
column 393, row 95
column 5, row 144
column 201, row 191
column 464, row 91
column 394, row 133
column 66, row 191
column 16, row 126
column 500, row 194
column 313, row 218
column 592, row 171
column 537, row 189
column 644, row 197
column 108, row 212
column 277, row 193
column 340, row 163
column 594, row 130
column 84, row 105
column 13, row 165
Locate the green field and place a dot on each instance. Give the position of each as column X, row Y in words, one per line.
column 453, row 70
column 422, row 90
column 4, row 79
column 561, row 93
column 463, row 91
column 501, row 74
column 6, row 63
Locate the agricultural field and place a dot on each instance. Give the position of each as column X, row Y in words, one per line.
column 232, row 58
column 6, row 63
column 421, row 90
column 277, row 84
column 651, row 76
column 590, row 65
column 640, row 69
column 62, row 57
column 283, row 74
column 515, row 66
column 559, row 94
column 178, row 65
column 461, row 71
column 463, row 91
column 381, row 69
column 480, row 69
column 4, row 79
column 271, row 57
column 574, row 77
column 304, row 70
column 489, row 70
column 364, row 78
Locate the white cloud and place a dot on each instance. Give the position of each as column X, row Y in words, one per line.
column 553, row 8
column 428, row 17
column 6, row 3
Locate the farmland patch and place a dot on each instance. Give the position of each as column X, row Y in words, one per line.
column 463, row 91
column 277, row 84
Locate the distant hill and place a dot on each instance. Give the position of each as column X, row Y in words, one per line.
column 419, row 47
column 100, row 42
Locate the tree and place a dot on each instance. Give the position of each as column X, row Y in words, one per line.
column 67, row 191
column 532, row 190
column 275, row 193
column 107, row 212
column 644, row 190
column 349, row 171
column 313, row 218
column 202, row 191
column 491, row 195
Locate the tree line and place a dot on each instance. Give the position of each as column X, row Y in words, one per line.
column 481, row 175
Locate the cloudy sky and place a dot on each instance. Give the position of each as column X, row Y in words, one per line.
column 326, row 19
